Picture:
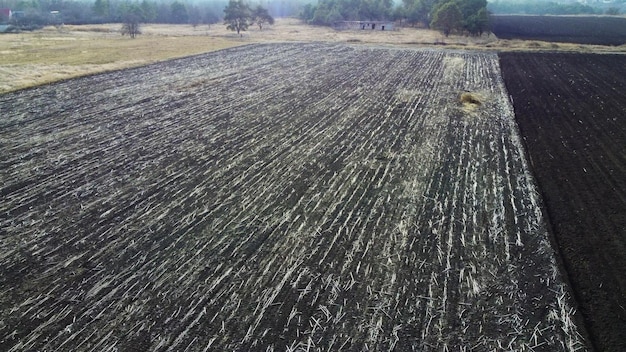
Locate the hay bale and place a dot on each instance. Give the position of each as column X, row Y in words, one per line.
column 470, row 98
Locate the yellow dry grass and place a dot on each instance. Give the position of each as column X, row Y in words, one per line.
column 51, row 54
column 48, row 55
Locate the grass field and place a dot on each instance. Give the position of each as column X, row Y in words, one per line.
column 51, row 54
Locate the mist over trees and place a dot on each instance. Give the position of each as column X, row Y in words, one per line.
column 474, row 15
column 237, row 16
column 537, row 7
column 463, row 16
column 327, row 12
column 448, row 18
column 132, row 20
column 197, row 12
column 261, row 17
column 37, row 13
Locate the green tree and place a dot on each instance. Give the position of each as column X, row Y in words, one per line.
column 327, row 12
column 613, row 11
column 470, row 7
column 131, row 20
column 261, row 16
column 415, row 11
column 447, row 18
column 320, row 16
column 307, row 13
column 210, row 18
column 195, row 17
column 475, row 15
column 237, row 16
column 101, row 9
column 178, row 13
column 149, row 10
column 477, row 23
column 374, row 9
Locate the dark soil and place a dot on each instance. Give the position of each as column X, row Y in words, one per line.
column 598, row 30
column 571, row 110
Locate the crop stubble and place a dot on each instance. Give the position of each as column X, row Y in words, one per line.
column 283, row 196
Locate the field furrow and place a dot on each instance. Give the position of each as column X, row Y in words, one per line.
column 570, row 109
column 276, row 197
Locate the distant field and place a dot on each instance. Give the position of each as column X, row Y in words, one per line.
column 32, row 58
column 48, row 55
column 597, row 30
column 310, row 197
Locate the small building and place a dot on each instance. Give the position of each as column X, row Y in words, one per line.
column 365, row 25
column 5, row 15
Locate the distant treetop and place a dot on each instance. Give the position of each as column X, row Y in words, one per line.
column 442, row 14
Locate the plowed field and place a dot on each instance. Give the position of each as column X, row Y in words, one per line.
column 571, row 110
column 598, row 30
column 276, row 197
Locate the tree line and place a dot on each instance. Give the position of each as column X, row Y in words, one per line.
column 466, row 16
column 327, row 12
column 238, row 16
column 37, row 13
column 46, row 12
column 463, row 16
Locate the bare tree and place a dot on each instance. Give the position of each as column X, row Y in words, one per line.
column 131, row 21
